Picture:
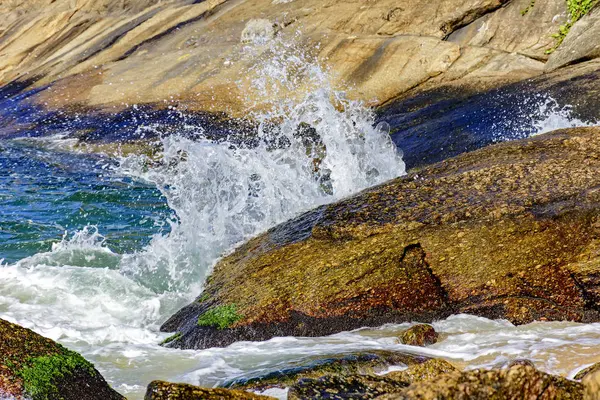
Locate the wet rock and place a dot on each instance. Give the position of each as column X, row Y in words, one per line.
column 37, row 368
column 419, row 335
column 520, row 361
column 422, row 372
column 362, row 363
column 160, row 390
column 508, row 231
column 591, row 386
column 519, row 382
column 333, row 387
column 586, row 371
column 258, row 31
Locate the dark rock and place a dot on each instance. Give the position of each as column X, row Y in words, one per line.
column 35, row 367
column 586, row 371
column 519, row 382
column 509, row 231
column 520, row 361
column 422, row 372
column 360, row 363
column 331, row 387
column 419, row 335
column 160, row 390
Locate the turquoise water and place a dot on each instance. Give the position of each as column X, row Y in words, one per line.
column 46, row 194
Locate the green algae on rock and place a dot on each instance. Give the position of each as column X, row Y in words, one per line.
column 419, row 335
column 341, row 365
column 35, row 367
column 160, row 390
column 509, row 231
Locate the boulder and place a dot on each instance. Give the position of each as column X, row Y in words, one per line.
column 37, row 368
column 160, row 390
column 419, row 335
column 591, row 386
column 341, row 365
column 519, row 382
column 509, row 231
column 331, row 387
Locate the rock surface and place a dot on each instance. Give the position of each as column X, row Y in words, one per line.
column 510, row 231
column 520, row 382
column 419, row 335
column 110, row 53
column 34, row 367
column 342, row 365
column 426, row 371
column 160, row 390
column 586, row 371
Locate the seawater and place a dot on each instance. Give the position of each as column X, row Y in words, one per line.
column 97, row 251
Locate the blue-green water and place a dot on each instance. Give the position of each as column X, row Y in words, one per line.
column 46, row 193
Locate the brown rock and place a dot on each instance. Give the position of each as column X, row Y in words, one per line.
column 419, row 335
column 591, row 386
column 586, row 371
column 160, row 390
column 428, row 370
column 527, row 213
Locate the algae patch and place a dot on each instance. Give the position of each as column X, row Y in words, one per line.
column 577, row 9
column 41, row 374
column 171, row 338
column 220, row 317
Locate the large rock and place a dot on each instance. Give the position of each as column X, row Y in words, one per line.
column 111, row 53
column 341, row 365
column 510, row 231
column 520, row 382
column 37, row 368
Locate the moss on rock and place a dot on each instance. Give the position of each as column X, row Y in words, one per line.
column 220, row 317
column 35, row 367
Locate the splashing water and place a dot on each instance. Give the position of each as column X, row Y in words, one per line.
column 551, row 116
column 304, row 153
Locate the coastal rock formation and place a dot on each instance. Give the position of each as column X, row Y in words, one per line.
column 108, row 54
column 37, row 368
column 508, row 231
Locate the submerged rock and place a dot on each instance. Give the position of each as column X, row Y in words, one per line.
column 37, row 368
column 419, row 335
column 509, row 231
column 360, row 363
column 519, row 382
column 160, row 390
column 587, row 371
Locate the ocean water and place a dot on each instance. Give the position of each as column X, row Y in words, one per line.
column 98, row 251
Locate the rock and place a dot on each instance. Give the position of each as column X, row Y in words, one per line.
column 160, row 390
column 520, row 361
column 519, row 382
column 591, row 386
column 102, row 54
column 333, row 387
column 581, row 44
column 586, row 371
column 35, row 367
column 422, row 372
column 342, row 365
column 419, row 335
column 508, row 231
column 258, row 31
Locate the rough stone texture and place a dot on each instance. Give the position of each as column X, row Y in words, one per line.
column 160, row 390
column 331, row 387
column 520, row 382
column 586, row 371
column 591, row 385
column 34, row 367
column 510, row 231
column 419, row 335
column 581, row 44
column 112, row 53
column 342, row 365
column 428, row 370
